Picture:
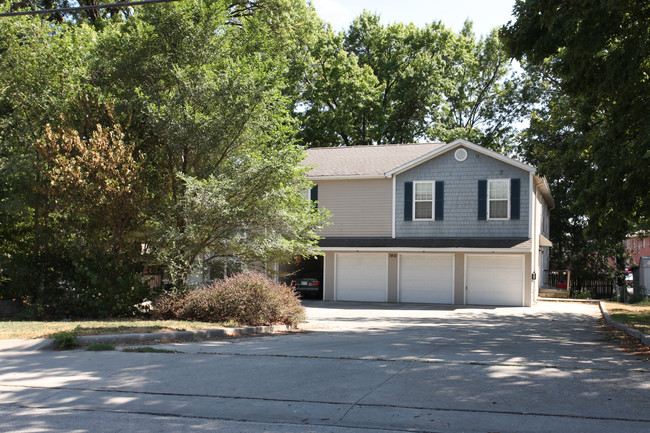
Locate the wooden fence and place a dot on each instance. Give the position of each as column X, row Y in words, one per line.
column 599, row 288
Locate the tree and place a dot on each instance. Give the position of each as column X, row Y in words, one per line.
column 167, row 131
column 42, row 67
column 377, row 84
column 209, row 112
column 485, row 98
column 591, row 134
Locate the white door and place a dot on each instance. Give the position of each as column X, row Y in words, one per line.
column 426, row 278
column 495, row 279
column 361, row 277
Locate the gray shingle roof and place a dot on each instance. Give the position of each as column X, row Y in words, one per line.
column 363, row 160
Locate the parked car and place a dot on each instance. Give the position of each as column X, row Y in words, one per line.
column 308, row 285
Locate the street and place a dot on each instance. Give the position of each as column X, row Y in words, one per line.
column 359, row 367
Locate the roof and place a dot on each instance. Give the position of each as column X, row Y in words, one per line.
column 516, row 243
column 388, row 160
column 385, row 160
column 364, row 161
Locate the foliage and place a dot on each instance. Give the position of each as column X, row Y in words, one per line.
column 591, row 134
column 379, row 84
column 156, row 137
column 639, row 295
column 65, row 340
column 41, row 69
column 99, row 347
column 215, row 127
column 247, row 299
column 582, row 294
column 484, row 98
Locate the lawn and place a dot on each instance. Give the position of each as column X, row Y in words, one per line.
column 636, row 316
column 20, row 329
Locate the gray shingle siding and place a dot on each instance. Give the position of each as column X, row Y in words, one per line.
column 461, row 196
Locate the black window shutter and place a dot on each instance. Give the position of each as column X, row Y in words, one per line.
column 482, row 199
column 440, row 200
column 314, row 194
column 515, row 193
column 408, row 201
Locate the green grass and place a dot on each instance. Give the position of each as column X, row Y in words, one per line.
column 98, row 347
column 636, row 316
column 148, row 349
column 37, row 329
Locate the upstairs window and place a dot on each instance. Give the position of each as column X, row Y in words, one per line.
column 423, row 200
column 498, row 198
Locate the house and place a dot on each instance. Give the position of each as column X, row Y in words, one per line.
column 435, row 223
column 637, row 246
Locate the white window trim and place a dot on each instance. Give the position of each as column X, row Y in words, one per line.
column 433, row 200
column 489, row 182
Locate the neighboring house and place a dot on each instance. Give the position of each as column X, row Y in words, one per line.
column 439, row 223
column 637, row 246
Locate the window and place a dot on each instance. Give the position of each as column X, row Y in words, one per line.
column 498, row 198
column 423, row 200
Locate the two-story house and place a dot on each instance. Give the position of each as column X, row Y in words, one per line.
column 436, row 223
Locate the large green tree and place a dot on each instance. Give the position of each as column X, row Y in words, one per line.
column 396, row 83
column 214, row 123
column 166, row 132
column 592, row 134
column 484, row 99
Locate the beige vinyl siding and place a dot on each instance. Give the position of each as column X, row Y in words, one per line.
column 358, row 208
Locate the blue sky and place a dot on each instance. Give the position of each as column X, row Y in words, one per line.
column 486, row 14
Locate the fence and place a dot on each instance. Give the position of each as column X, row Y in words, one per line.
column 599, row 289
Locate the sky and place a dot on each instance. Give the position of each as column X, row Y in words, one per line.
column 486, row 14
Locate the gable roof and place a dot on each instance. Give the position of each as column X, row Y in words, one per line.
column 363, row 161
column 385, row 160
column 458, row 143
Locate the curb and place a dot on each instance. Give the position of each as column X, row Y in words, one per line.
column 171, row 337
column 644, row 338
column 585, row 301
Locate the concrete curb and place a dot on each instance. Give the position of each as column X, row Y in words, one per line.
column 586, row 301
column 644, row 338
column 157, row 337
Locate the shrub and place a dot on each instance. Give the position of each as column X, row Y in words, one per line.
column 166, row 306
column 65, row 340
column 640, row 294
column 247, row 299
column 582, row 294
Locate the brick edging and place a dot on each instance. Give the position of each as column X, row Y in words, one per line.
column 644, row 338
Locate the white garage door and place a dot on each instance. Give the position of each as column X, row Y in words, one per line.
column 495, row 279
column 361, row 277
column 426, row 278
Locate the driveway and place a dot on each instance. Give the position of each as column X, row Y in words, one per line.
column 361, row 367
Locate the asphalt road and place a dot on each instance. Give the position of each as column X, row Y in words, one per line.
column 361, row 368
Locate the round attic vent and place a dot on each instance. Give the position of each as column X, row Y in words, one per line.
column 460, row 154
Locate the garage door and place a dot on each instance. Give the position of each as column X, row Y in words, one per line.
column 361, row 277
column 495, row 279
column 426, row 278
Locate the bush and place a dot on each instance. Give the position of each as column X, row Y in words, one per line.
column 65, row 340
column 248, row 299
column 640, row 294
column 582, row 294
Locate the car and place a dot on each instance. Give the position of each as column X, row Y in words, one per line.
column 308, row 285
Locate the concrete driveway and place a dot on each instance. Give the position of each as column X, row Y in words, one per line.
column 363, row 367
